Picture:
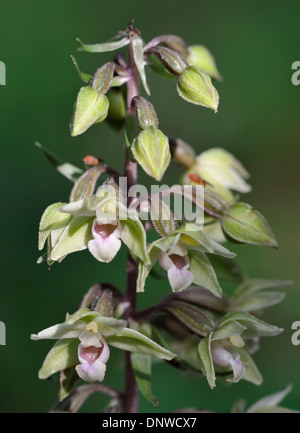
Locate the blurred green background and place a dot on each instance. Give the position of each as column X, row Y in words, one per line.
column 255, row 44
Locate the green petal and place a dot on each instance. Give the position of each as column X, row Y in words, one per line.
column 62, row 355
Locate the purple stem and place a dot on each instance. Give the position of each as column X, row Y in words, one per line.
column 130, row 399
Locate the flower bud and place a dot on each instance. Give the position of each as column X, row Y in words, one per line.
column 151, row 151
column 182, row 153
column 103, row 77
column 196, row 87
column 171, row 59
column 200, row 57
column 162, row 217
column 91, row 107
column 145, row 113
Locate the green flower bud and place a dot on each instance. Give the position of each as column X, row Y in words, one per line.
column 151, row 151
column 145, row 113
column 196, row 87
column 103, row 77
column 91, row 107
column 200, row 57
column 171, row 59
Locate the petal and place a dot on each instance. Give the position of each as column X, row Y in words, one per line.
column 104, row 250
column 179, row 279
column 104, row 356
column 165, row 261
column 90, row 338
column 91, row 372
column 238, row 369
column 221, row 357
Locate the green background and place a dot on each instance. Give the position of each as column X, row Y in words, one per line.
column 255, row 44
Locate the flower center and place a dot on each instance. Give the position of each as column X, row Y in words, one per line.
column 104, row 230
column 178, row 261
column 91, row 353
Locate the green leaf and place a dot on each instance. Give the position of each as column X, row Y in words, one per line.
column 71, row 328
column 228, row 330
column 207, row 362
column 105, row 47
column 250, row 287
column 67, row 170
column 201, row 57
column 156, row 66
column 109, row 325
column 203, row 298
column 271, row 401
column 154, row 250
column 86, row 78
column 138, row 55
column 244, row 224
column 134, row 236
column 276, row 409
column 67, row 380
column 204, row 274
column 255, row 327
column 52, row 219
column 74, row 238
column 196, row 239
column 258, row 301
column 252, row 373
column 62, row 355
column 142, row 369
column 85, row 185
column 193, row 317
column 133, row 341
column 227, row 269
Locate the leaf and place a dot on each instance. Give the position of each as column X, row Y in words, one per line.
column 154, row 250
column 203, row 272
column 67, row 380
column 244, row 224
column 270, row 401
column 105, row 47
column 52, row 219
column 206, row 358
column 133, row 341
column 86, row 78
column 255, row 327
column 138, row 55
column 74, row 238
column 142, row 369
column 158, row 68
column 250, row 287
column 227, row 269
column 71, row 328
column 67, row 170
column 134, row 236
column 203, row 298
column 62, row 355
column 85, row 185
column 228, row 330
column 193, row 317
column 252, row 373
column 109, row 326
column 258, row 301
column 196, row 239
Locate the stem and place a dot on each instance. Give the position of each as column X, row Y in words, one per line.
column 130, row 399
